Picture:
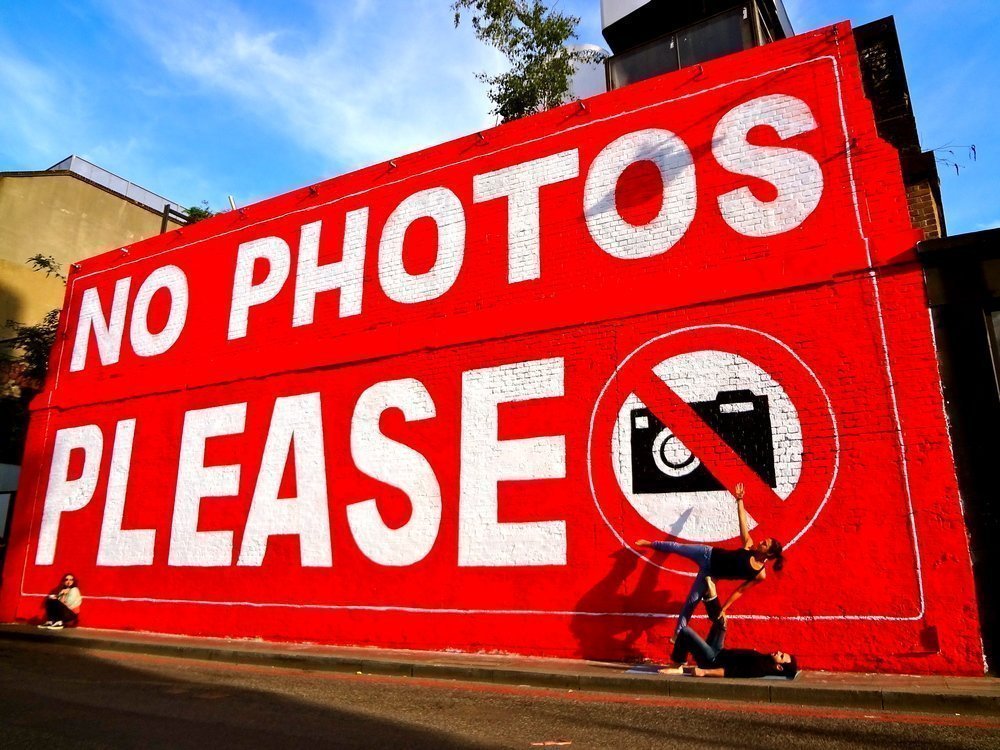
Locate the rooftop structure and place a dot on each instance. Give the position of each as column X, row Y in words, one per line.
column 114, row 183
column 652, row 37
column 70, row 211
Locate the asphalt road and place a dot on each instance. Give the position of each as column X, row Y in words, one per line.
column 61, row 697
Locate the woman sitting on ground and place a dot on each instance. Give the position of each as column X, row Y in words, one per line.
column 62, row 605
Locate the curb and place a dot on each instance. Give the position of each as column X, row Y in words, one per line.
column 745, row 691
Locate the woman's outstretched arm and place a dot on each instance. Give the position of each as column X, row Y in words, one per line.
column 742, row 513
column 740, row 590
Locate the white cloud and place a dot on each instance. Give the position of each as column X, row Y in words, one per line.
column 362, row 7
column 361, row 85
column 32, row 115
column 48, row 116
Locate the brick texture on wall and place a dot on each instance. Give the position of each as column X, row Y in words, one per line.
column 434, row 403
column 924, row 212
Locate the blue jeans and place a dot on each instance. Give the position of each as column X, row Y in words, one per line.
column 704, row 652
column 700, row 554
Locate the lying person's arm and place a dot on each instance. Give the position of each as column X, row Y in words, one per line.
column 699, row 672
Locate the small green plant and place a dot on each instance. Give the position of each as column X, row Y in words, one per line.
column 197, row 213
column 48, row 264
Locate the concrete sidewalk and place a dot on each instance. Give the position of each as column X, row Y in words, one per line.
column 940, row 695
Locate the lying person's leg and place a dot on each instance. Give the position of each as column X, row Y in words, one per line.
column 711, row 600
column 694, row 596
column 690, row 643
column 717, row 636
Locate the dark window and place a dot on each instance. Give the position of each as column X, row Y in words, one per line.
column 723, row 35
column 653, row 59
column 6, row 503
column 994, row 329
column 720, row 35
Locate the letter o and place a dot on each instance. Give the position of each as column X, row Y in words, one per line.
column 147, row 344
column 444, row 207
column 671, row 156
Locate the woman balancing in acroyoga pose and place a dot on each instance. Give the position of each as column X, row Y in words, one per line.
column 748, row 564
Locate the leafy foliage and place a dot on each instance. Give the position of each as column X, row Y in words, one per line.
column 24, row 363
column 197, row 213
column 48, row 264
column 533, row 38
column 34, row 342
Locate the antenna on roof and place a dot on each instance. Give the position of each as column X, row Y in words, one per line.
column 232, row 203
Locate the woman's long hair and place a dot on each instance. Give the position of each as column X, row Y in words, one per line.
column 777, row 553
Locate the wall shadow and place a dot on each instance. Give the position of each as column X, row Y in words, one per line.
column 13, row 410
column 61, row 696
column 11, row 308
column 57, row 696
column 618, row 637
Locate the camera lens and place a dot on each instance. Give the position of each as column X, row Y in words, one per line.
column 672, row 457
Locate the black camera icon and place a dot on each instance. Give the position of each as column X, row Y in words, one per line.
column 661, row 463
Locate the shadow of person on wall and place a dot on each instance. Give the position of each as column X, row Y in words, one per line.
column 604, row 635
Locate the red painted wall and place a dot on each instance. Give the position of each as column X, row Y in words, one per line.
column 433, row 403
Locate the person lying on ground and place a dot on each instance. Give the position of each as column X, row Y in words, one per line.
column 747, row 564
column 62, row 605
column 714, row 660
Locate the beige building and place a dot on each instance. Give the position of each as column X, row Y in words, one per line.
column 71, row 211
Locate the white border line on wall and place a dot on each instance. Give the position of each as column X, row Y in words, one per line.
column 904, row 464
column 849, row 151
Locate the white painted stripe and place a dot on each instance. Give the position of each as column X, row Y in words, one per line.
column 447, row 610
column 904, row 465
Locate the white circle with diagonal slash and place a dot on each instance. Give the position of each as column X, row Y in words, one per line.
column 667, row 485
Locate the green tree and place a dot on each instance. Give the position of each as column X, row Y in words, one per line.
column 24, row 364
column 31, row 345
column 533, row 38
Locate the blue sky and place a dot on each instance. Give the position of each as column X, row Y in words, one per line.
column 199, row 100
